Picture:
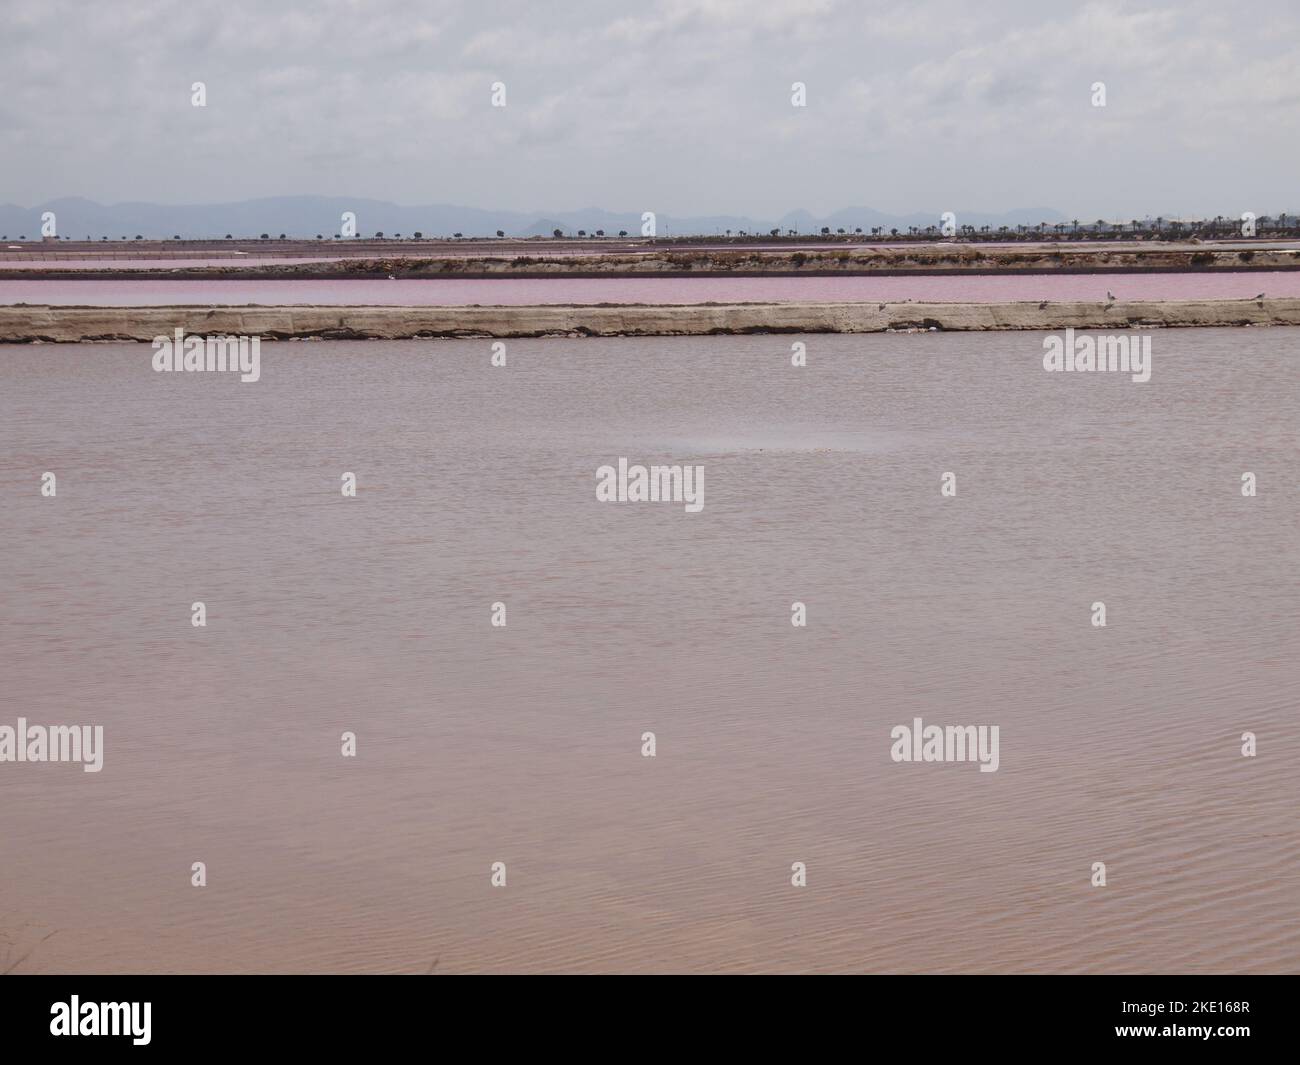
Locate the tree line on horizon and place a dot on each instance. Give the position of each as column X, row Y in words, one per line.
column 1283, row 225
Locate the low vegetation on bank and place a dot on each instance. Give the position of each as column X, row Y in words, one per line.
column 653, row 260
column 904, row 260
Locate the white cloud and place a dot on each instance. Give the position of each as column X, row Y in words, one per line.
column 681, row 102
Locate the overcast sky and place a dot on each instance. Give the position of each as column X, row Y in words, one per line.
column 678, row 106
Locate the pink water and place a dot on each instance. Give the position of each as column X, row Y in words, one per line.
column 524, row 291
column 176, row 262
column 522, row 744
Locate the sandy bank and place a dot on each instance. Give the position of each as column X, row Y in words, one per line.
column 476, row 262
column 61, row 324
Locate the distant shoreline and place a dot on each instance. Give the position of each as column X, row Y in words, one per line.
column 479, row 260
column 273, row 274
column 26, row 324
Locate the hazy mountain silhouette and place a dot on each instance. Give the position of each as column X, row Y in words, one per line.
column 307, row 216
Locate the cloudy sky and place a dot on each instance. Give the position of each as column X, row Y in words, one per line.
column 680, row 106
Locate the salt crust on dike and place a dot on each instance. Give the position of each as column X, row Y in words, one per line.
column 25, row 323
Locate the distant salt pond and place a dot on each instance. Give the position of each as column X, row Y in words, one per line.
column 523, row 291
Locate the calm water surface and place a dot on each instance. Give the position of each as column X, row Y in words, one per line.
column 517, row 291
column 522, row 744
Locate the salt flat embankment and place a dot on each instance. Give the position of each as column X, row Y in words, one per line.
column 362, row 260
column 64, row 324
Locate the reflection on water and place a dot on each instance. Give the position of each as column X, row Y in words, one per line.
column 478, row 744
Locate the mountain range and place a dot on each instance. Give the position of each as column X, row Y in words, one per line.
column 307, row 216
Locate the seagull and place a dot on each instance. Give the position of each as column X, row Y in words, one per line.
column 391, row 277
column 1260, row 296
column 1042, row 305
column 1110, row 295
